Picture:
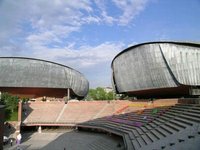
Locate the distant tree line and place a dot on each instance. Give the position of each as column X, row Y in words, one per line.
column 100, row 94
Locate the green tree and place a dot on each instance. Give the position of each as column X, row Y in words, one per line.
column 92, row 94
column 11, row 102
column 110, row 96
column 11, row 105
column 99, row 94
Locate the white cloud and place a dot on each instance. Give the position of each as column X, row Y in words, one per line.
column 130, row 9
column 105, row 17
column 35, row 28
column 93, row 61
column 56, row 16
column 47, row 21
column 82, row 57
column 50, row 36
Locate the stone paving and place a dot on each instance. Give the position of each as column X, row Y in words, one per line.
column 68, row 140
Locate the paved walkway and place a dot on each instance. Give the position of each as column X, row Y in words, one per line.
column 70, row 140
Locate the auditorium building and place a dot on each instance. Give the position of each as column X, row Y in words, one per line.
column 158, row 69
column 32, row 78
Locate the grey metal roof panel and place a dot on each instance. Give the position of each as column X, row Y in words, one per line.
column 157, row 65
column 28, row 72
column 196, row 44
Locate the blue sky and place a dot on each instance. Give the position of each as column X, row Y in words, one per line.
column 87, row 34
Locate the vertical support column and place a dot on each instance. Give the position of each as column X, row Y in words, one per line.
column 18, row 127
column 39, row 129
column 20, row 111
column 68, row 94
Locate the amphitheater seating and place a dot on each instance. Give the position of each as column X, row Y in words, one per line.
column 70, row 113
column 104, row 144
column 151, row 127
column 41, row 111
column 166, row 128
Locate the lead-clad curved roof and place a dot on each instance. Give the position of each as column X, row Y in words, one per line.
column 35, row 73
column 157, row 65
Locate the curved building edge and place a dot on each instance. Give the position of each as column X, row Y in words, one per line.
column 22, row 72
column 158, row 42
column 152, row 66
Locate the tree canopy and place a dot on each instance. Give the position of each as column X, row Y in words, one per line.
column 100, row 94
column 10, row 102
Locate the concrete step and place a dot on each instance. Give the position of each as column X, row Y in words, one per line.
column 144, row 129
column 157, row 134
column 130, row 145
column 176, row 112
column 135, row 132
column 164, row 130
column 122, row 129
column 172, row 114
column 101, row 145
column 141, row 141
column 153, row 124
column 157, row 122
column 173, row 126
column 197, row 115
column 184, row 121
column 169, row 123
column 152, row 137
column 140, row 131
column 158, row 131
column 180, row 108
column 148, row 127
column 190, row 118
column 117, row 127
column 194, row 110
column 136, row 145
column 194, row 116
column 167, row 129
column 146, row 139
column 162, row 119
column 178, row 123
column 177, row 117
column 183, row 105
